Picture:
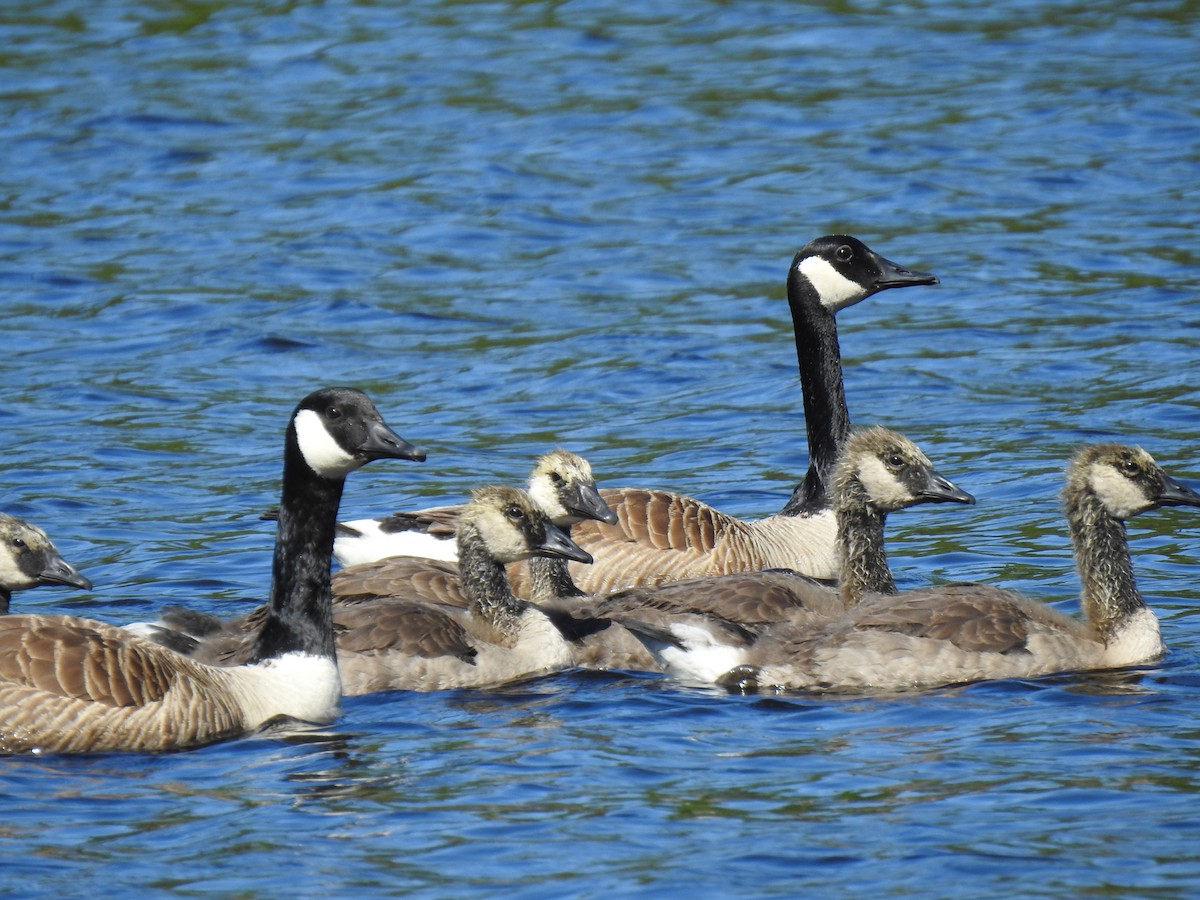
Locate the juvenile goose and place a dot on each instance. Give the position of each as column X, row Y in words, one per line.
column 496, row 639
column 28, row 559
column 77, row 685
column 961, row 633
column 879, row 472
column 561, row 483
column 663, row 536
column 417, row 624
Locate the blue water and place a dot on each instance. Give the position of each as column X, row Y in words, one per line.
column 527, row 224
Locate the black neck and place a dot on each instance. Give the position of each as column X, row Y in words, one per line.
column 1109, row 593
column 864, row 565
column 301, row 612
column 825, row 414
column 5, row 598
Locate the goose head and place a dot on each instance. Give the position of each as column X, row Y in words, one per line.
column 28, row 559
column 337, row 430
column 1126, row 480
column 512, row 527
column 889, row 472
column 840, row 270
column 563, row 486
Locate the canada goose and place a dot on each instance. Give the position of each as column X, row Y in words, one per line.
column 879, row 472
column 498, row 637
column 664, row 537
column 561, row 483
column 77, row 685
column 961, row 633
column 417, row 624
column 28, row 558
column 562, row 486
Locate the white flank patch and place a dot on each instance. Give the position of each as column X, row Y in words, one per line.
column 299, row 685
column 835, row 289
column 702, row 657
column 323, row 454
column 374, row 544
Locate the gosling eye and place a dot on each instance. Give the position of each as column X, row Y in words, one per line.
column 556, row 479
column 514, row 512
column 19, row 543
column 844, row 253
column 896, row 462
column 1129, row 468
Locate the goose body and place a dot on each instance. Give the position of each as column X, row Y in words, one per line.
column 29, row 559
column 961, row 633
column 76, row 685
column 879, row 472
column 561, row 483
column 404, row 623
column 662, row 536
column 495, row 639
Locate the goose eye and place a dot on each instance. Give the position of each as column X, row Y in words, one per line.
column 844, row 253
column 1129, row 468
column 555, row 478
column 19, row 543
column 333, row 413
column 895, row 461
column 515, row 513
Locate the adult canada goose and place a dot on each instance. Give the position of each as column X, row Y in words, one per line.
column 961, row 633
column 663, row 536
column 561, row 483
column 879, row 472
column 76, row 685
column 417, row 624
column 28, row 559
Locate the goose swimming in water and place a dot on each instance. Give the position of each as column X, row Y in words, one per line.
column 76, row 685
column 662, row 536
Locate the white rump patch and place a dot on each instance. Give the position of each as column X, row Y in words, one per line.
column 702, row 657
column 324, row 455
column 835, row 289
column 372, row 544
column 297, row 685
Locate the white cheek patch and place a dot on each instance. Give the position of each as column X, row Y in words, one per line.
column 835, row 289
column 323, row 454
column 884, row 489
column 546, row 497
column 1120, row 496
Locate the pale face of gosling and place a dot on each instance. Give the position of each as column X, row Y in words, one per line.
column 510, row 525
column 28, row 558
column 894, row 473
column 1127, row 480
column 563, row 487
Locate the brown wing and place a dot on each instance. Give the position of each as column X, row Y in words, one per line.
column 83, row 660
column 751, row 599
column 659, row 520
column 973, row 617
column 400, row 626
column 404, row 577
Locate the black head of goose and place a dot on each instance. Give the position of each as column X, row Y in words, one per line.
column 561, row 483
column 29, row 559
column 880, row 472
column 662, row 536
column 959, row 633
column 77, row 685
